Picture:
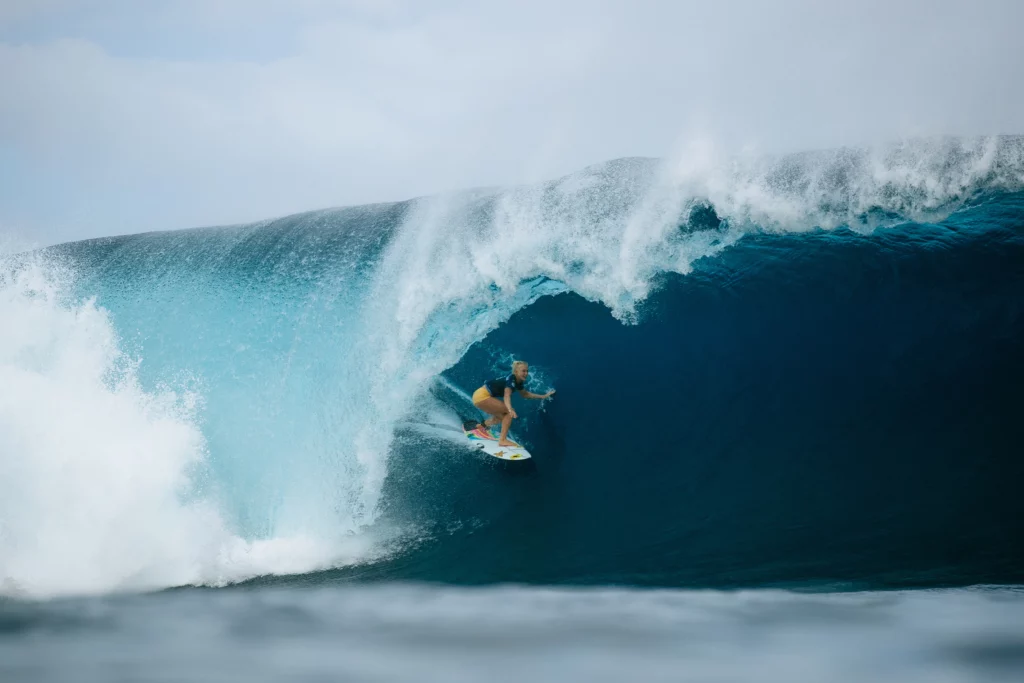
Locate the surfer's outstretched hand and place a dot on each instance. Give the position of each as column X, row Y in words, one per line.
column 551, row 392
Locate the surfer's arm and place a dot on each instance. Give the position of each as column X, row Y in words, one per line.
column 537, row 397
column 508, row 402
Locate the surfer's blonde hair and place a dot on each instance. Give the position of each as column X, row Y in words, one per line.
column 517, row 363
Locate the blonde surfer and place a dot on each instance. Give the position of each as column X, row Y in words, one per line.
column 495, row 399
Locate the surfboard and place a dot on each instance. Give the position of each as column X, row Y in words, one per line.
column 487, row 441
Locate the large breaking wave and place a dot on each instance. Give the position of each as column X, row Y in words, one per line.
column 769, row 370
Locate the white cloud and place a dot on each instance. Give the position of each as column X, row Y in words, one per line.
column 364, row 101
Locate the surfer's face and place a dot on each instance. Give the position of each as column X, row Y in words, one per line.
column 522, row 371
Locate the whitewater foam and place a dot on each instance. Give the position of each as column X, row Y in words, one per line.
column 917, row 180
column 103, row 484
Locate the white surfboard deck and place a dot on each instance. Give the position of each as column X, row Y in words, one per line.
column 487, row 441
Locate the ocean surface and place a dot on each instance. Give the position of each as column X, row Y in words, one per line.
column 785, row 443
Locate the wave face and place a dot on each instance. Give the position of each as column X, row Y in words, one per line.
column 802, row 369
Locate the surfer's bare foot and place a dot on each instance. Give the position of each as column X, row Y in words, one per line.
column 506, row 444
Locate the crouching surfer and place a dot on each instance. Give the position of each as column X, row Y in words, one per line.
column 495, row 399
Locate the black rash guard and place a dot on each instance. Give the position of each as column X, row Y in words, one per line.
column 497, row 386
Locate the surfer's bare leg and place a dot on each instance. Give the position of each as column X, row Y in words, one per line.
column 505, row 422
column 495, row 408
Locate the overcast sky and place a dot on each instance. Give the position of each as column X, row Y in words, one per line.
column 120, row 116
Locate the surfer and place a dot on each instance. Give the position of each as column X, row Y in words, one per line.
column 495, row 399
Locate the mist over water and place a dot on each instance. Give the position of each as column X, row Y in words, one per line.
column 426, row 633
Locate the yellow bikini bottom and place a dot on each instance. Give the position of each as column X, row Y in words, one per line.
column 480, row 395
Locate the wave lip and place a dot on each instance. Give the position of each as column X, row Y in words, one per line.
column 918, row 180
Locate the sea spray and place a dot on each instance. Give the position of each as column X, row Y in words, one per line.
column 103, row 484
